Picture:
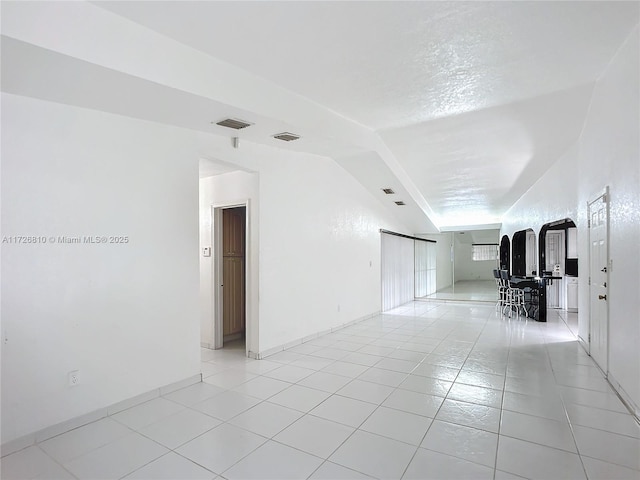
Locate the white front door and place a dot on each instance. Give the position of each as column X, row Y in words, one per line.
column 599, row 279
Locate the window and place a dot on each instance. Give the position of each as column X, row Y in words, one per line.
column 482, row 252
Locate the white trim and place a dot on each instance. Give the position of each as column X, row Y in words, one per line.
column 615, row 385
column 133, row 401
column 584, row 344
column 293, row 343
column 603, row 193
column 216, row 277
column 599, row 195
column 216, row 274
column 187, row 382
column 25, row 441
column 625, row 397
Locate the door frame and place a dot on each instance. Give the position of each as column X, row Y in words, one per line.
column 216, row 274
column 604, row 193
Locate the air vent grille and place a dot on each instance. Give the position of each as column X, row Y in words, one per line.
column 286, row 136
column 400, row 203
column 388, row 191
column 233, row 123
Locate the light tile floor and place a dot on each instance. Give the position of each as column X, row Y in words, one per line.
column 468, row 290
column 428, row 390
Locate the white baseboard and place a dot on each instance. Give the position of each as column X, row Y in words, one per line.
column 583, row 343
column 25, row 441
column 624, row 396
column 293, row 343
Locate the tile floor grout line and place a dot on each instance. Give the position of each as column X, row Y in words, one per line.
column 449, row 336
column 433, row 420
column 61, row 465
column 192, row 461
column 571, row 429
column 504, row 385
column 418, row 446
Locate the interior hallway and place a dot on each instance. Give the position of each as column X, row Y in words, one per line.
column 428, row 390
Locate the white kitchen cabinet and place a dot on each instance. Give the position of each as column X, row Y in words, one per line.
column 556, row 294
column 571, row 296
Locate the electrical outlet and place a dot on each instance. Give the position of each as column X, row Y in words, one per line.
column 74, row 378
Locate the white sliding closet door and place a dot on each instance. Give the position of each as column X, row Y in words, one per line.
column 398, row 265
column 425, row 268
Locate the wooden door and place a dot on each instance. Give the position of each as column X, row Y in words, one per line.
column 598, row 280
column 233, row 271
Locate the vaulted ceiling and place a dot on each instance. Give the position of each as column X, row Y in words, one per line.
column 458, row 106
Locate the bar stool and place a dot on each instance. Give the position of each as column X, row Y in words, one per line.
column 514, row 296
column 502, row 289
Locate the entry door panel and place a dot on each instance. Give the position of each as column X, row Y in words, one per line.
column 598, row 272
column 233, row 270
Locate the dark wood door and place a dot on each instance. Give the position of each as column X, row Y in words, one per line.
column 233, row 271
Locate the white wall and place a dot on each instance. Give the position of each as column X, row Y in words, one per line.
column 229, row 188
column 610, row 154
column 606, row 154
column 553, row 197
column 397, row 271
column 319, row 247
column 128, row 316
column 124, row 315
column 319, row 241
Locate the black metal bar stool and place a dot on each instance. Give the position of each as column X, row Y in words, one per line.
column 514, row 296
column 502, row 289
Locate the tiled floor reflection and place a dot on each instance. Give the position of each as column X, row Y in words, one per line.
column 468, row 290
column 428, row 390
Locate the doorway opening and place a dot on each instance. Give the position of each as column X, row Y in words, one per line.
column 558, row 260
column 473, row 256
column 230, row 276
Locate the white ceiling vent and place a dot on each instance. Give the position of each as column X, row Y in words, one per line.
column 286, row 136
column 388, row 191
column 233, row 123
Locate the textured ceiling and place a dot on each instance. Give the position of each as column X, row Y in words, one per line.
column 393, row 63
column 474, row 166
column 475, row 100
column 461, row 106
